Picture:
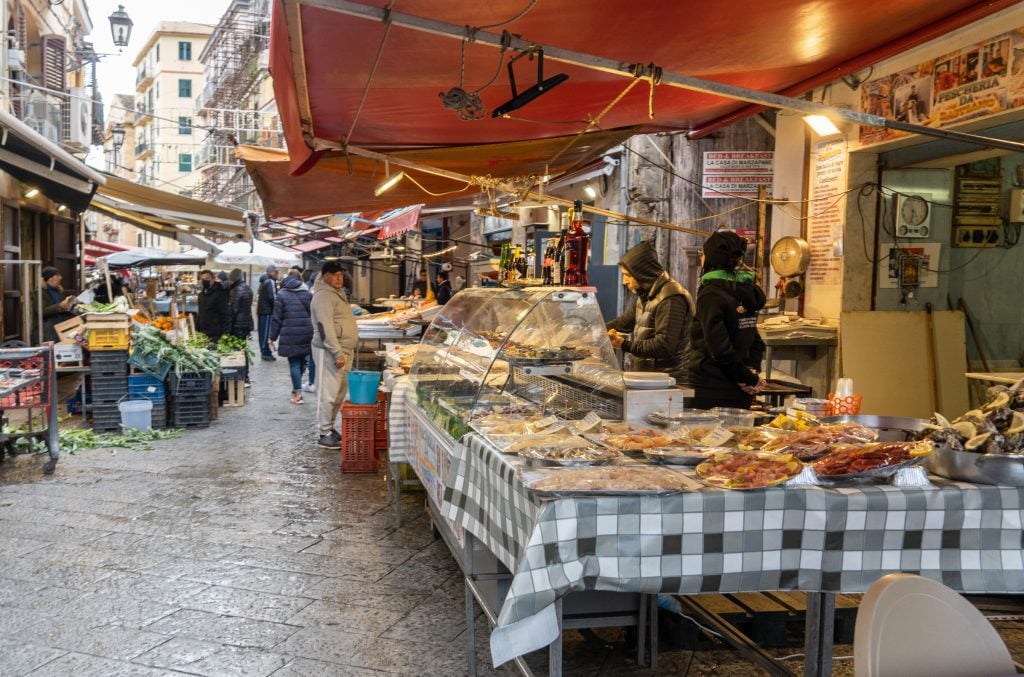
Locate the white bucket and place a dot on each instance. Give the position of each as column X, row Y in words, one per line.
column 137, row 414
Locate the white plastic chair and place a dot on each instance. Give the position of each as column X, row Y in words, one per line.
column 910, row 626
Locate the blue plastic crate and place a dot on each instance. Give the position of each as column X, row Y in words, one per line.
column 148, row 386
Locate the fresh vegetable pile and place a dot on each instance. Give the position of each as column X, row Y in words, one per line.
column 233, row 344
column 138, row 440
column 191, row 355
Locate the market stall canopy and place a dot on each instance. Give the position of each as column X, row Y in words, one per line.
column 147, row 257
column 165, row 213
column 340, row 183
column 351, row 73
column 36, row 161
column 255, row 253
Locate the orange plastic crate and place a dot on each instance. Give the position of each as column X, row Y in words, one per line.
column 358, row 423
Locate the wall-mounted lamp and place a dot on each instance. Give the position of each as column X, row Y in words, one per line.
column 590, row 191
column 821, row 125
column 520, row 99
column 62, row 208
column 389, row 182
column 31, row 193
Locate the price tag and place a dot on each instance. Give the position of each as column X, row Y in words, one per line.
column 545, row 422
column 716, row 437
column 589, row 421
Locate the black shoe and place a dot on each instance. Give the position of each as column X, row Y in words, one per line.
column 328, row 442
column 269, row 358
column 336, row 434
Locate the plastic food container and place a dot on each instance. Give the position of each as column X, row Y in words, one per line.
column 694, row 420
column 731, row 416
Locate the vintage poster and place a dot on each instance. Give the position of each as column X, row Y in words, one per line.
column 736, row 173
column 977, row 81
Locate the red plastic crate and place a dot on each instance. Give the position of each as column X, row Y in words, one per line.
column 30, row 397
column 358, row 422
column 380, row 428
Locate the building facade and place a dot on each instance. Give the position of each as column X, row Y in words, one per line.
column 48, row 87
column 168, row 78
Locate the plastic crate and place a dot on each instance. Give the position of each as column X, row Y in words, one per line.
column 27, row 397
column 148, row 386
column 108, row 362
column 188, row 418
column 101, row 339
column 357, row 438
column 159, row 419
column 106, row 417
column 150, row 364
column 108, row 388
column 191, row 383
column 380, row 425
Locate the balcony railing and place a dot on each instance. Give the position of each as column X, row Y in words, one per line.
column 141, row 149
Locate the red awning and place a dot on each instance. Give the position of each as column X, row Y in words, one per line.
column 344, row 184
column 101, row 248
column 400, row 223
column 330, row 87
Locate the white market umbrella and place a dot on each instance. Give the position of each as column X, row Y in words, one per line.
column 256, row 253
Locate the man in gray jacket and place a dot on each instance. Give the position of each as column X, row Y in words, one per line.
column 335, row 336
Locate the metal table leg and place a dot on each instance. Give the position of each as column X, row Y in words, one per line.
column 555, row 648
column 52, row 433
column 641, row 629
column 470, row 630
column 821, row 612
column 653, row 630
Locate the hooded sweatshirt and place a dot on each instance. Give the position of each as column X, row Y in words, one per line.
column 724, row 342
column 660, row 317
column 334, row 325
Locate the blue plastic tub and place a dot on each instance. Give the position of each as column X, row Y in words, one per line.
column 362, row 386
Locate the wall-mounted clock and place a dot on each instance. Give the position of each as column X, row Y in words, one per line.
column 913, row 215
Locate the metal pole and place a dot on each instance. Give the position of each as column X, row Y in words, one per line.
column 624, row 69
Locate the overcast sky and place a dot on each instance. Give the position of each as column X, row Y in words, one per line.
column 115, row 72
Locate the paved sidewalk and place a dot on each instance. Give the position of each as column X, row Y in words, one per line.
column 242, row 550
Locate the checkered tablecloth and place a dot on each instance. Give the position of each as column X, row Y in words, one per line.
column 709, row 540
column 403, row 396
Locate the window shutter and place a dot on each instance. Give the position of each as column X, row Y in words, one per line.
column 53, row 70
column 20, row 27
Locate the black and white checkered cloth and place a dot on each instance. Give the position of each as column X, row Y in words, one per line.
column 967, row 536
column 403, row 396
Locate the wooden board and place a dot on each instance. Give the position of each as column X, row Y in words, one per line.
column 886, row 354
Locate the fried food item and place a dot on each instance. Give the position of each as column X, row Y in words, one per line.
column 808, row 444
column 610, row 479
column 868, row 457
column 636, row 442
column 748, row 470
column 571, row 454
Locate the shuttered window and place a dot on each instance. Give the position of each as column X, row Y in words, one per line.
column 53, row 54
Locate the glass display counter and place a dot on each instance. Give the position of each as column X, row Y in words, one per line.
column 505, row 350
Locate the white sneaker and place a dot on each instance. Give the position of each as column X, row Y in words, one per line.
column 309, row 388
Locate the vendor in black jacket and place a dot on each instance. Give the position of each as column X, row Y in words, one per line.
column 660, row 318
column 724, row 355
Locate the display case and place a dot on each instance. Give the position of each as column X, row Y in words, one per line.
column 502, row 350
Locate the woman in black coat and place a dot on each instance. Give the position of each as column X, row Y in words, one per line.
column 292, row 330
column 723, row 360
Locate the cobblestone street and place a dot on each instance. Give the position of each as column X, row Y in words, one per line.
column 242, row 550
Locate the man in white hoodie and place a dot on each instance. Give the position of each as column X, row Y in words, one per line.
column 335, row 336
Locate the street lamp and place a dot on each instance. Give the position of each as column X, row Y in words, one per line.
column 120, row 27
column 117, row 136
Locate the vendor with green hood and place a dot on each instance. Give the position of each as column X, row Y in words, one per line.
column 724, row 355
column 660, row 318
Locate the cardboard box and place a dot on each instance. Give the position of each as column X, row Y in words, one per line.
column 71, row 330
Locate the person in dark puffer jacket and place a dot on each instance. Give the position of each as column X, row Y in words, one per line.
column 659, row 319
column 724, row 357
column 292, row 330
column 239, row 311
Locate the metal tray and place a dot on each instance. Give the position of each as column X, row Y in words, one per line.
column 532, row 478
column 561, row 358
column 890, row 428
column 866, row 475
column 609, row 456
column 683, row 455
column 1005, row 469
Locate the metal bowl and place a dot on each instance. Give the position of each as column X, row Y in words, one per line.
column 1006, row 469
column 890, row 428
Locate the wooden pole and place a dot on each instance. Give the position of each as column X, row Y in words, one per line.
column 762, row 234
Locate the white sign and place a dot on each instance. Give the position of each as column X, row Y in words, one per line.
column 826, row 217
column 736, row 174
